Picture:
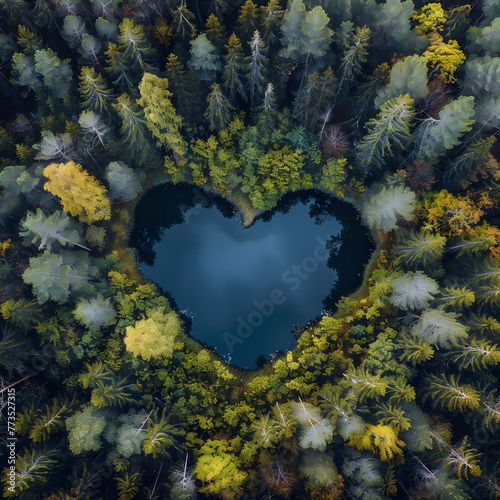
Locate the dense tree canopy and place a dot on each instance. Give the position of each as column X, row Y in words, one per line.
column 391, row 106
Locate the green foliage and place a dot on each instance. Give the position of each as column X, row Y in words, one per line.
column 219, row 471
column 218, row 111
column 257, row 66
column 419, row 250
column 388, row 135
column 123, row 182
column 32, row 467
column 233, row 69
column 153, row 336
column 159, row 435
column 94, row 91
column 22, row 313
column 316, row 430
column 51, row 232
column 134, row 47
column 446, row 392
column 435, row 137
column 85, row 428
column 50, row 420
column 56, row 73
column 96, row 311
column 413, row 291
column 57, row 276
column 381, row 211
column 204, row 58
column 407, row 77
column 133, row 130
column 161, row 117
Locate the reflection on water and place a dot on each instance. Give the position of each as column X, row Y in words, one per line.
column 246, row 288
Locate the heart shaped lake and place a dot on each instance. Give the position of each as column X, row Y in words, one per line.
column 247, row 289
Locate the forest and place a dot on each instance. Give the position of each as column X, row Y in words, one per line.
column 392, row 106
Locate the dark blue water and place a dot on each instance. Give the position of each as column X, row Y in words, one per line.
column 244, row 288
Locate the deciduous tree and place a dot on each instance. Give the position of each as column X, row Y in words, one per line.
column 81, row 194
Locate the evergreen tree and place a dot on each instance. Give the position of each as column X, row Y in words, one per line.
column 133, row 130
column 257, row 66
column 204, row 58
column 407, row 77
column 234, row 66
column 94, row 92
column 90, row 49
column 135, row 48
column 32, row 468
column 271, row 16
column 419, row 250
column 439, row 328
column 218, row 111
column 248, row 19
column 313, row 101
column 50, row 420
column 215, row 31
column 446, row 393
column 118, row 69
column 435, row 137
column 388, row 135
column 382, row 210
column 94, row 129
column 22, row 313
column 123, row 182
column 159, row 435
column 85, row 428
column 51, row 231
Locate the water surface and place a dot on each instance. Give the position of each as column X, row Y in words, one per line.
column 246, row 289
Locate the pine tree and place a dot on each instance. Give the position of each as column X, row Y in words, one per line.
column 233, row 68
column 413, row 291
column 379, row 439
column 159, row 435
column 136, row 50
column 32, row 468
column 204, row 58
column 439, row 328
column 257, row 67
column 381, row 211
column 22, row 313
column 414, row 349
column 128, row 486
column 247, row 22
column 435, row 137
column 218, row 111
column 133, row 130
column 115, row 393
column 456, row 298
column 29, row 41
column 73, row 30
column 355, row 55
column 215, row 31
column 419, row 250
column 184, row 22
column 118, row 69
column 51, row 231
column 388, row 135
column 314, row 98
column 161, row 117
column 271, row 16
column 50, row 420
column 446, row 393
column 365, row 384
column 475, row 354
column 94, row 92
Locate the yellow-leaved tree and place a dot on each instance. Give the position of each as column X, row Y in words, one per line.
column 154, row 335
column 80, row 193
column 379, row 439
